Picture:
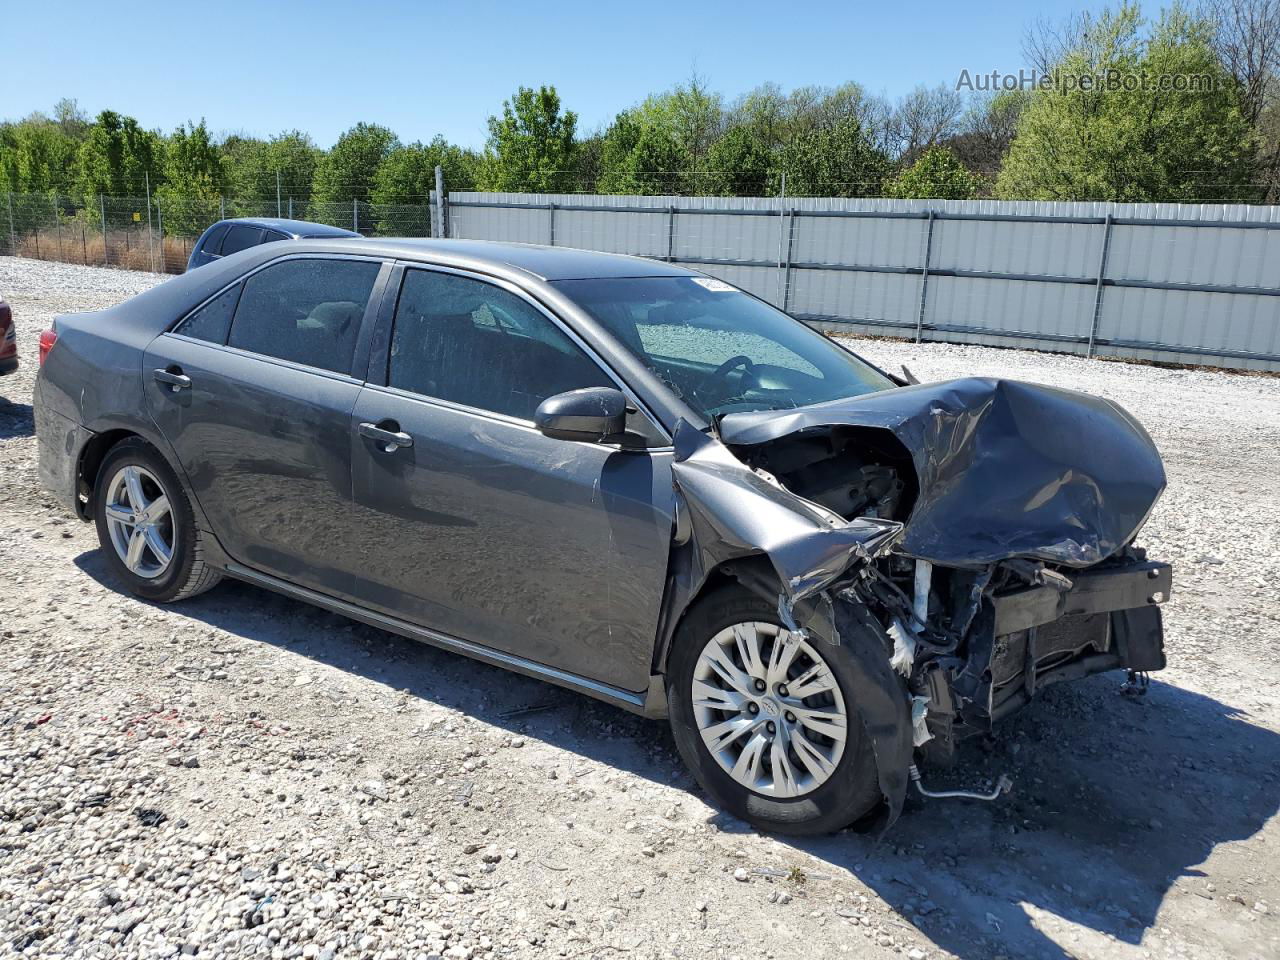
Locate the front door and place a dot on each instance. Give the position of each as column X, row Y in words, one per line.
column 481, row 527
column 254, row 393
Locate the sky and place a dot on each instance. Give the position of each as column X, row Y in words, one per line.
column 425, row 69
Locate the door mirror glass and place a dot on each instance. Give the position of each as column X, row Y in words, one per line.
column 588, row 415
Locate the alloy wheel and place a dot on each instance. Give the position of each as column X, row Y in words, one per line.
column 140, row 521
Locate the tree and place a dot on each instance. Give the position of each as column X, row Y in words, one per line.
column 530, row 145
column 835, row 161
column 739, row 163
column 689, row 116
column 937, row 175
column 1247, row 40
column 1105, row 134
column 347, row 171
column 253, row 167
column 638, row 156
column 71, row 119
column 1246, row 36
column 408, row 174
column 924, row 118
column 587, row 162
column 117, row 158
column 987, row 130
column 37, row 156
column 189, row 196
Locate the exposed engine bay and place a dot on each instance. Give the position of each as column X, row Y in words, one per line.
column 970, row 542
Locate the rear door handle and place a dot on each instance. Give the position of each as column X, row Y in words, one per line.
column 389, row 441
column 176, row 380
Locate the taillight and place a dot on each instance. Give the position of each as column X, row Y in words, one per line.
column 47, row 339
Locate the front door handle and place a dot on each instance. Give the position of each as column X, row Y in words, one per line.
column 174, row 377
column 388, row 440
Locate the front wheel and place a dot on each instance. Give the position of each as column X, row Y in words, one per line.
column 146, row 526
column 766, row 719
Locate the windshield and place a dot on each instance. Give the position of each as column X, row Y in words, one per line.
column 720, row 350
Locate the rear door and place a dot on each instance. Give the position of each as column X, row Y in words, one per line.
column 484, row 529
column 254, row 391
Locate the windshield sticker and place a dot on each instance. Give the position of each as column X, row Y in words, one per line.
column 712, row 284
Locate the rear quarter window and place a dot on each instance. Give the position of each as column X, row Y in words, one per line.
column 213, row 240
column 212, row 321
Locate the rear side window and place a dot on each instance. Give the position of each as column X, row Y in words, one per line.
column 476, row 344
column 213, row 242
column 212, row 321
column 307, row 311
column 271, row 236
column 240, row 237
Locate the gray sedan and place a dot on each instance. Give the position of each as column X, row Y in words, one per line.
column 623, row 477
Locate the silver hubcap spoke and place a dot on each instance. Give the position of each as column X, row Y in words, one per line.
column 768, row 709
column 140, row 521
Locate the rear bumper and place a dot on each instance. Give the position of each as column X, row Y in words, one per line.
column 1032, row 638
column 59, row 442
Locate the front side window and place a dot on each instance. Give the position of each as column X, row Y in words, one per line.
column 212, row 321
column 720, row 350
column 473, row 343
column 306, row 310
column 240, row 237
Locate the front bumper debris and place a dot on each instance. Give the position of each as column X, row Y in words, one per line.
column 1109, row 619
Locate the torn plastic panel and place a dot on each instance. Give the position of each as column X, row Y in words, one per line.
column 727, row 511
column 733, row 511
column 1004, row 469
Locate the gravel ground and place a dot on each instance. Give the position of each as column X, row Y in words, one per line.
column 243, row 775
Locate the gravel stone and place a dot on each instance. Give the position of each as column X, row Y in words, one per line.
column 355, row 815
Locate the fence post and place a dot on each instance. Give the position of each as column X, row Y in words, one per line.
column 57, row 218
column 291, row 208
column 1096, row 319
column 786, row 277
column 671, row 233
column 277, row 193
column 102, row 205
column 222, row 207
column 551, row 223
column 160, row 235
column 13, row 235
column 924, row 277
column 782, row 216
column 355, row 214
column 440, row 211
column 151, row 250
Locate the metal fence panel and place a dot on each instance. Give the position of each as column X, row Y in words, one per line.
column 1193, row 283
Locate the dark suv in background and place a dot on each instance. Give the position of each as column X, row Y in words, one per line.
column 231, row 236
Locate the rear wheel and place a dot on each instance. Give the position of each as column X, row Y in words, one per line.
column 766, row 718
column 146, row 526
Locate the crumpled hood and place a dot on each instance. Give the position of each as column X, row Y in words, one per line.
column 1005, row 469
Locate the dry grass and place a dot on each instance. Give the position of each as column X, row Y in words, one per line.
column 126, row 249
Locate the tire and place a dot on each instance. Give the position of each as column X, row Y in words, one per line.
column 185, row 572
column 851, row 788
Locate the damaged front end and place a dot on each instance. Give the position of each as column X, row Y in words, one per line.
column 967, row 543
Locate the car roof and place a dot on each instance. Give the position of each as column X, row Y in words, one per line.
column 295, row 228
column 543, row 262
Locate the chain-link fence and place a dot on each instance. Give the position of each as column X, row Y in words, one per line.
column 141, row 233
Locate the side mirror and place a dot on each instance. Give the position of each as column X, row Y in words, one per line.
column 589, row 415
